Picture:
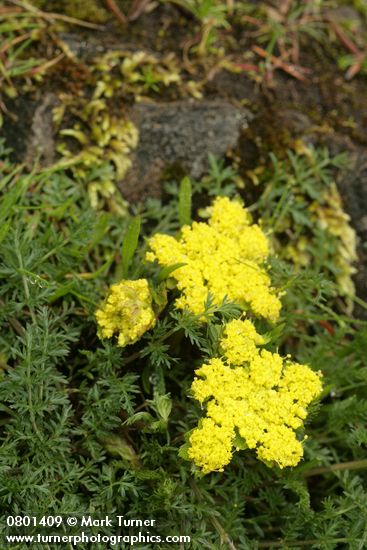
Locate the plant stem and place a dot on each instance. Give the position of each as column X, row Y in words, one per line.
column 49, row 16
column 25, row 281
column 292, row 543
column 353, row 465
column 29, row 384
column 137, row 354
column 218, row 526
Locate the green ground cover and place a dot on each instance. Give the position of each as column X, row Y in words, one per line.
column 89, row 427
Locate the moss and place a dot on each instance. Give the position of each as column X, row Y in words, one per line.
column 90, row 11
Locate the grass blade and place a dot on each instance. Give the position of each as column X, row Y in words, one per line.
column 130, row 243
column 184, row 202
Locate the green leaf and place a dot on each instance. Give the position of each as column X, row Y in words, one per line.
column 184, row 202
column 165, row 272
column 183, row 451
column 129, row 245
column 141, row 416
column 274, row 334
column 118, row 446
column 12, row 197
column 239, row 443
column 4, row 230
column 99, row 231
column 6, row 179
column 63, row 290
column 159, row 296
column 162, row 404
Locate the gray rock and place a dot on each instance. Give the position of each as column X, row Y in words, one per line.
column 28, row 130
column 179, row 134
column 40, row 143
column 173, row 137
column 353, row 188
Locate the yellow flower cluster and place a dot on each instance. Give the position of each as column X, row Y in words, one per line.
column 127, row 312
column 224, row 257
column 253, row 393
column 240, row 341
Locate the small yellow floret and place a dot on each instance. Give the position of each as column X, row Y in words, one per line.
column 223, row 257
column 127, row 312
column 240, row 341
column 229, row 217
column 280, row 445
column 210, row 446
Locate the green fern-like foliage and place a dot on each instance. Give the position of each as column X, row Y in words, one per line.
column 90, row 428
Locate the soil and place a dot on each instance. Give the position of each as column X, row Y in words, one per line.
column 239, row 116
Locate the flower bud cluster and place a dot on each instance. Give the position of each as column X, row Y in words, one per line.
column 224, row 257
column 253, row 396
column 127, row 312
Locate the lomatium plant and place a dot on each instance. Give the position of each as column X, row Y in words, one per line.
column 255, row 399
column 161, row 368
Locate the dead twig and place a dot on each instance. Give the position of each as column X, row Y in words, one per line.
column 358, row 54
column 138, row 8
column 51, row 17
column 41, row 68
column 14, row 41
column 353, row 465
column 9, row 10
column 230, row 7
column 343, row 37
column 112, row 6
column 278, row 63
